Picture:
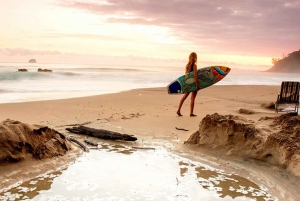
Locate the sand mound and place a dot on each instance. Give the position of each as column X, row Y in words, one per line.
column 273, row 140
column 19, row 139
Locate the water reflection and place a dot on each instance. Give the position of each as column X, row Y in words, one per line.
column 30, row 189
column 226, row 184
column 118, row 148
column 120, row 172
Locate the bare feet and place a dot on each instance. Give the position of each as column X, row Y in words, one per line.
column 193, row 115
column 179, row 114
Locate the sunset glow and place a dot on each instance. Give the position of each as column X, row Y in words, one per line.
column 242, row 34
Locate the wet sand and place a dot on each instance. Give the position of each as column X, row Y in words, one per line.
column 150, row 115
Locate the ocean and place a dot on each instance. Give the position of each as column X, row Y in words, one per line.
column 71, row 80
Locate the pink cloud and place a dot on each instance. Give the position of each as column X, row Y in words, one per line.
column 84, row 36
column 26, row 52
column 231, row 26
column 23, row 55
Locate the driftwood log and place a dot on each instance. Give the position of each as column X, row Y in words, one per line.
column 181, row 129
column 85, row 148
column 144, row 148
column 90, row 142
column 101, row 133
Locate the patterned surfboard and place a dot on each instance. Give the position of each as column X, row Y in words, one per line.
column 207, row 76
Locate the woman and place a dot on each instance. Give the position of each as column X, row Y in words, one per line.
column 191, row 66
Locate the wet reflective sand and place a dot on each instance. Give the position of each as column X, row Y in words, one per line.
column 120, row 172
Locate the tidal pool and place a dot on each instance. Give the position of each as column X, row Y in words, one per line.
column 119, row 172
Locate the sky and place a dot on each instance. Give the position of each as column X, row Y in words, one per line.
column 245, row 34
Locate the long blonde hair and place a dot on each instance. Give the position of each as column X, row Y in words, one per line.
column 191, row 63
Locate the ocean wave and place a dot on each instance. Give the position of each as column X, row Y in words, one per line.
column 67, row 74
column 17, row 76
column 104, row 69
column 83, row 80
column 14, row 76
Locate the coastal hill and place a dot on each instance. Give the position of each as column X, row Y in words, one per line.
column 288, row 64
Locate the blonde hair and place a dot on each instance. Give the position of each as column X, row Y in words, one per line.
column 191, row 63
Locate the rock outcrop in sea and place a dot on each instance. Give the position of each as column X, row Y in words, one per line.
column 22, row 70
column 44, row 70
column 32, row 61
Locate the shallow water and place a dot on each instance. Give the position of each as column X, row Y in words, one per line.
column 120, row 172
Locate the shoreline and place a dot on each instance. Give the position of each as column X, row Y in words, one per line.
column 133, row 89
column 159, row 96
column 150, row 115
column 121, row 91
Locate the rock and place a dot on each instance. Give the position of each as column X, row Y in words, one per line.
column 32, row 61
column 22, row 70
column 270, row 105
column 44, row 70
column 246, row 111
column 272, row 140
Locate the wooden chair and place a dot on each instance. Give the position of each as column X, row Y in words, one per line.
column 289, row 94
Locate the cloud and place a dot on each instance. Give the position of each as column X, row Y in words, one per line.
column 23, row 55
column 233, row 26
column 26, row 52
column 83, row 36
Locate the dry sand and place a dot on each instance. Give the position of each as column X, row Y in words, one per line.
column 150, row 115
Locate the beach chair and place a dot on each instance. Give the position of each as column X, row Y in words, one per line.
column 289, row 95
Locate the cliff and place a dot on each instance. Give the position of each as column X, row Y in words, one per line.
column 289, row 64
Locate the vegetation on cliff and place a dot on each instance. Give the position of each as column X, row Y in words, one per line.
column 287, row 64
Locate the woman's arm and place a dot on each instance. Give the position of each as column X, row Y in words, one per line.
column 196, row 77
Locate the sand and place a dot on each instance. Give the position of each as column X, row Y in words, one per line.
column 150, row 115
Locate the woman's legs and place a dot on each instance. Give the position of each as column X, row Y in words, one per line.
column 193, row 97
column 181, row 102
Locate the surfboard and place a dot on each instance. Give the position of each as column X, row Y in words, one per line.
column 207, row 76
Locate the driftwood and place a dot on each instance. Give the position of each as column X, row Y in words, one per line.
column 100, row 133
column 86, row 140
column 85, row 148
column 143, row 148
column 181, row 129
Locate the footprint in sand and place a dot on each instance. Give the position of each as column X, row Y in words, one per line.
column 132, row 115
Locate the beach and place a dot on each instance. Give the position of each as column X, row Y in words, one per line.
column 136, row 100
column 150, row 115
